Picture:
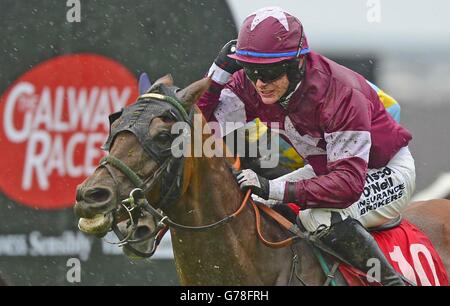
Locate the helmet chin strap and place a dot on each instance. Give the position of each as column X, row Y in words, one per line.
column 295, row 76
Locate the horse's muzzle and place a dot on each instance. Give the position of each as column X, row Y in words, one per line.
column 92, row 201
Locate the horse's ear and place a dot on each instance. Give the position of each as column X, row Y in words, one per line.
column 192, row 93
column 144, row 83
column 166, row 80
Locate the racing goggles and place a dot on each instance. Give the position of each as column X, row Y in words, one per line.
column 266, row 73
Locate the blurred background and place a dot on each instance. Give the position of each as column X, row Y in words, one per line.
column 402, row 46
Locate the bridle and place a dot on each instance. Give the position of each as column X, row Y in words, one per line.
column 137, row 203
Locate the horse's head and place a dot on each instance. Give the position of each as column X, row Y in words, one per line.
column 139, row 146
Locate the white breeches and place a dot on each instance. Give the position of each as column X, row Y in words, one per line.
column 387, row 192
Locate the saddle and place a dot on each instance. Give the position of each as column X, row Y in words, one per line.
column 398, row 239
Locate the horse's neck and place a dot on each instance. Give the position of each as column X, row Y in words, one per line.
column 212, row 192
column 212, row 256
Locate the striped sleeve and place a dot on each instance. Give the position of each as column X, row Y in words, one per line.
column 389, row 103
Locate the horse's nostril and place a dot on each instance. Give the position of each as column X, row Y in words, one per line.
column 141, row 232
column 97, row 195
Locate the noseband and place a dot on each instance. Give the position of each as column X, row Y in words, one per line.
column 169, row 171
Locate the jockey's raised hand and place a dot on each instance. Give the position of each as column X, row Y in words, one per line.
column 224, row 66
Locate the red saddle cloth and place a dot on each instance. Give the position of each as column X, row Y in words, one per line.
column 410, row 252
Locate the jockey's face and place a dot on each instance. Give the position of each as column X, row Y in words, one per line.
column 271, row 92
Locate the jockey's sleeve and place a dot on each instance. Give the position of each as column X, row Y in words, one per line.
column 346, row 124
column 389, row 103
column 209, row 100
column 225, row 104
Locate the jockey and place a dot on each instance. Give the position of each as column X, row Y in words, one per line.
column 359, row 172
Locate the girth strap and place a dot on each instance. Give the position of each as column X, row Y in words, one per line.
column 294, row 229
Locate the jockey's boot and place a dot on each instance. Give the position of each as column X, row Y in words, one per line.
column 349, row 239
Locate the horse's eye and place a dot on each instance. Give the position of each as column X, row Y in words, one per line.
column 167, row 118
column 164, row 138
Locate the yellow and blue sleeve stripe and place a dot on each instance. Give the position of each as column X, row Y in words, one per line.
column 288, row 157
column 390, row 104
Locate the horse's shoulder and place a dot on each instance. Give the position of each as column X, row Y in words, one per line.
column 432, row 206
column 430, row 216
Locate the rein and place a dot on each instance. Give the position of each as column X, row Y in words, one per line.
column 165, row 222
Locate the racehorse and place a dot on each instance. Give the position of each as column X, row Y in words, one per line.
column 215, row 238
